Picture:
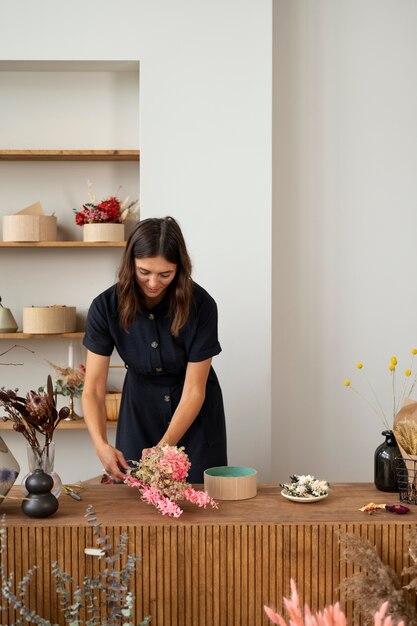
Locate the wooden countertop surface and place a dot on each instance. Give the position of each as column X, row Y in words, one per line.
column 120, row 505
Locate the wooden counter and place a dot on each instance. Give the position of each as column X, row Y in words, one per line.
column 209, row 567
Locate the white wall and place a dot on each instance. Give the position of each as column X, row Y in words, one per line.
column 344, row 223
column 205, row 140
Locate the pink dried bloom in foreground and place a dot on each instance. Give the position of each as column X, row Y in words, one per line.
column 330, row 616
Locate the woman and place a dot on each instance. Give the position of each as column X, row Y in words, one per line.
column 164, row 327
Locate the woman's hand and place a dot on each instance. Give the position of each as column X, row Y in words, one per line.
column 113, row 462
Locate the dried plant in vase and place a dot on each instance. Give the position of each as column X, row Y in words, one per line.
column 35, row 416
column 108, row 211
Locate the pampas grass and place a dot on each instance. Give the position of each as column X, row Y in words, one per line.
column 377, row 583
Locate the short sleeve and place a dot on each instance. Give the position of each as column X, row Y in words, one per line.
column 97, row 336
column 205, row 343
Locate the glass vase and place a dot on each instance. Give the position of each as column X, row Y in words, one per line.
column 43, row 458
column 386, row 463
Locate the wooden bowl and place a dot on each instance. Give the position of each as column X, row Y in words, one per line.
column 230, row 482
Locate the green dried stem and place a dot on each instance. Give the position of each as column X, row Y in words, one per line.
column 107, row 592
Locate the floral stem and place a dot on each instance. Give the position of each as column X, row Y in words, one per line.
column 384, row 419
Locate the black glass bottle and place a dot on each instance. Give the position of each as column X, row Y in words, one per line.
column 386, row 463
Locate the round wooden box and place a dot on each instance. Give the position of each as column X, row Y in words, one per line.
column 230, row 482
column 49, row 319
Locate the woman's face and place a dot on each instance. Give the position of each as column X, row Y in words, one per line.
column 153, row 275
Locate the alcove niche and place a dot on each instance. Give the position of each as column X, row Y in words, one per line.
column 63, row 123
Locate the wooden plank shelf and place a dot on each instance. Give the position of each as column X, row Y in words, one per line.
column 64, row 425
column 69, row 155
column 20, row 335
column 62, row 244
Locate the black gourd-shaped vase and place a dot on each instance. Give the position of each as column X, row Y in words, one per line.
column 39, row 502
column 386, row 461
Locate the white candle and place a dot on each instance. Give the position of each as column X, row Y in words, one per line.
column 71, row 356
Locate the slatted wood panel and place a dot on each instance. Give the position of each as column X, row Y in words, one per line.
column 206, row 575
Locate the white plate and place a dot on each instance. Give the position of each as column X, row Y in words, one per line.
column 299, row 499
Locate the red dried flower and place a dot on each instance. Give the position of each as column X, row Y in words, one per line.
column 108, row 211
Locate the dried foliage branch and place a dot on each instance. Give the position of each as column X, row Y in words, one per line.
column 12, row 348
column 107, row 592
column 375, row 583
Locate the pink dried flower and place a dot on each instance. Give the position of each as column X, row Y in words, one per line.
column 160, row 478
column 330, row 616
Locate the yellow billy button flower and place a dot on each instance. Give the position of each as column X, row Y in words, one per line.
column 391, row 367
column 347, row 383
column 393, row 360
column 414, row 351
column 407, row 372
column 359, row 366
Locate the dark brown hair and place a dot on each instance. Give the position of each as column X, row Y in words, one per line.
column 150, row 238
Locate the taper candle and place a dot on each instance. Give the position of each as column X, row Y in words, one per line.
column 71, row 356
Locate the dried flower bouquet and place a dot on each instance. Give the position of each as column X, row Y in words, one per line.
column 161, row 479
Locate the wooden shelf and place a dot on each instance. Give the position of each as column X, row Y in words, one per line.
column 69, row 155
column 62, row 244
column 64, row 425
column 20, row 335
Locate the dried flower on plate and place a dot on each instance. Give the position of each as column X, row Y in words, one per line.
column 305, row 486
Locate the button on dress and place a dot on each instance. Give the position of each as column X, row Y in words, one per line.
column 156, row 362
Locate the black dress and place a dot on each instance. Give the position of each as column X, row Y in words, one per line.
column 156, row 362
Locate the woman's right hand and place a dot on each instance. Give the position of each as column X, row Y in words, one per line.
column 113, row 462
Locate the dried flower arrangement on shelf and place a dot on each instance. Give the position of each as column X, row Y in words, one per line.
column 70, row 381
column 330, row 616
column 161, row 479
column 400, row 389
column 106, row 591
column 108, row 211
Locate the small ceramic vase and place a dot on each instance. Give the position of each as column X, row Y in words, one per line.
column 39, row 502
column 7, row 321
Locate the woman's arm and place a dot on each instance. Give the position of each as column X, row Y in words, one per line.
column 94, row 409
column 192, row 398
